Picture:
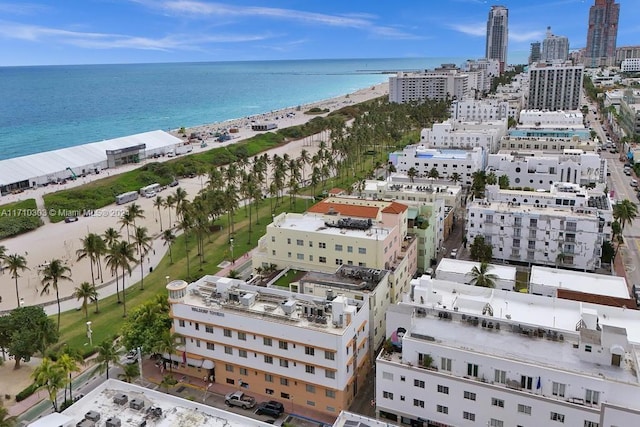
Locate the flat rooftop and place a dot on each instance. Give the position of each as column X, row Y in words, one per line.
column 310, row 222
column 173, row 411
column 590, row 283
column 222, row 294
column 451, row 265
column 348, row 277
column 554, row 210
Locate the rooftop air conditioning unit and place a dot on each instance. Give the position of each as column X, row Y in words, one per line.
column 113, row 422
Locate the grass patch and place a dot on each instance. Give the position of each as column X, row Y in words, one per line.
column 18, row 217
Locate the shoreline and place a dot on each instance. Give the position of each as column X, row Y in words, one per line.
column 62, row 239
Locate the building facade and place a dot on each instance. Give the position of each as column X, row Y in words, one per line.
column 271, row 342
column 497, row 35
column 602, row 33
column 555, row 48
column 563, row 227
column 480, row 110
column 555, row 86
column 424, row 160
column 627, row 52
column 436, row 85
column 539, row 170
column 465, row 135
column 469, row 356
column 630, row 65
column 535, row 53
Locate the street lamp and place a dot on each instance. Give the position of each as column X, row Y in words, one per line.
column 89, row 333
column 233, row 259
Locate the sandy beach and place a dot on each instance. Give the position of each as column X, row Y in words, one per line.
column 61, row 240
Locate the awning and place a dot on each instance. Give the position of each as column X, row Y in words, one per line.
column 207, row 364
column 198, row 363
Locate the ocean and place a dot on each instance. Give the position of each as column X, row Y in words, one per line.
column 50, row 107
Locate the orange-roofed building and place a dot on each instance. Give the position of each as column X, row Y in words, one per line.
column 343, row 231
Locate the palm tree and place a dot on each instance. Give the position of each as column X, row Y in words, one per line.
column 167, row 344
column 5, row 419
column 121, row 256
column 158, row 202
column 169, row 238
column 108, row 353
column 169, row 203
column 433, row 173
column 491, row 178
column 481, row 276
column 412, row 173
column 68, row 364
column 625, row 212
column 86, row 291
column 92, row 248
column 143, row 241
column 111, row 235
column 186, row 223
column 135, row 212
column 180, row 197
column 54, row 272
column 455, row 178
column 130, row 372
column 15, row 263
column 49, row 375
column 125, row 221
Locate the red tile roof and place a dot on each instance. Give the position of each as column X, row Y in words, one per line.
column 396, row 208
column 336, row 191
column 345, row 210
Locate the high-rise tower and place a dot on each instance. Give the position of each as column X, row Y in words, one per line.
column 602, row 33
column 498, row 35
column 555, row 47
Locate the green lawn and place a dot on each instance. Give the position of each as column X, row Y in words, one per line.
column 19, row 217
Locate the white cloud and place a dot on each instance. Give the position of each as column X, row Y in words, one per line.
column 22, row 8
column 478, row 29
column 525, row 36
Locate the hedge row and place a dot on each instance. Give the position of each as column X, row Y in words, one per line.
column 27, row 392
column 18, row 217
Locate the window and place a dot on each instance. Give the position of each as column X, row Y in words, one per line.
column 197, row 326
column 524, row 409
column 322, row 245
column 284, row 363
column 468, row 416
column 268, row 359
column 208, row 329
column 362, row 251
column 339, row 261
column 227, row 333
column 210, row 346
column 322, row 259
column 330, row 355
column 496, row 423
column 591, row 424
column 300, row 256
column 418, row 383
column 288, row 241
column 592, row 397
column 418, row 403
column 181, row 323
column 309, row 351
column 228, row 368
column 284, row 381
column 442, row 409
column 268, row 391
column 402, row 378
column 243, row 371
column 242, row 353
column 350, row 249
column 500, row 376
column 558, row 389
column 299, row 242
column 310, row 388
column 472, row 370
column 284, row 395
column 283, row 345
column 267, row 341
column 230, row 381
column 338, row 248
column 309, row 369
column 526, row 382
column 557, row 417
column 331, row 394
column 587, row 348
column 497, row 402
column 330, row 374
column 228, row 350
column 469, row 395
column 443, row 389
column 445, row 364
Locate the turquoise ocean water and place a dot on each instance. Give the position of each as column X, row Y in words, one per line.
column 49, row 107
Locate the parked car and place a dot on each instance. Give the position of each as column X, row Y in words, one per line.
column 131, row 357
column 174, row 183
column 238, row 398
column 627, row 172
column 271, row 408
column 70, row 219
column 454, row 253
column 634, row 183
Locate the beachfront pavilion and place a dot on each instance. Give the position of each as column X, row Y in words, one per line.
column 68, row 163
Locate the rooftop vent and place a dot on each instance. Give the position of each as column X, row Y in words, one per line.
column 92, row 415
column 86, row 423
column 136, row 404
column 114, row 421
column 120, row 399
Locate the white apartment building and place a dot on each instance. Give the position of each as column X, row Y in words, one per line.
column 491, row 66
column 630, row 65
column 437, row 85
column 273, row 342
column 470, row 356
column 446, row 162
column 454, row 134
column 540, row 169
column 399, row 187
column 479, row 110
column 555, row 86
column 563, row 227
column 551, row 141
column 550, row 119
column 555, row 48
column 457, row 270
column 342, row 230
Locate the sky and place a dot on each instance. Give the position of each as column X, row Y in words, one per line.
column 57, row 32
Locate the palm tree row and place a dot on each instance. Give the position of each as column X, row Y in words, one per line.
column 55, row 375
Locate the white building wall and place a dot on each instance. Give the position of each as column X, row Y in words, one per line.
column 465, row 135
column 479, row 110
column 424, row 159
column 436, row 85
column 550, row 119
column 630, row 65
